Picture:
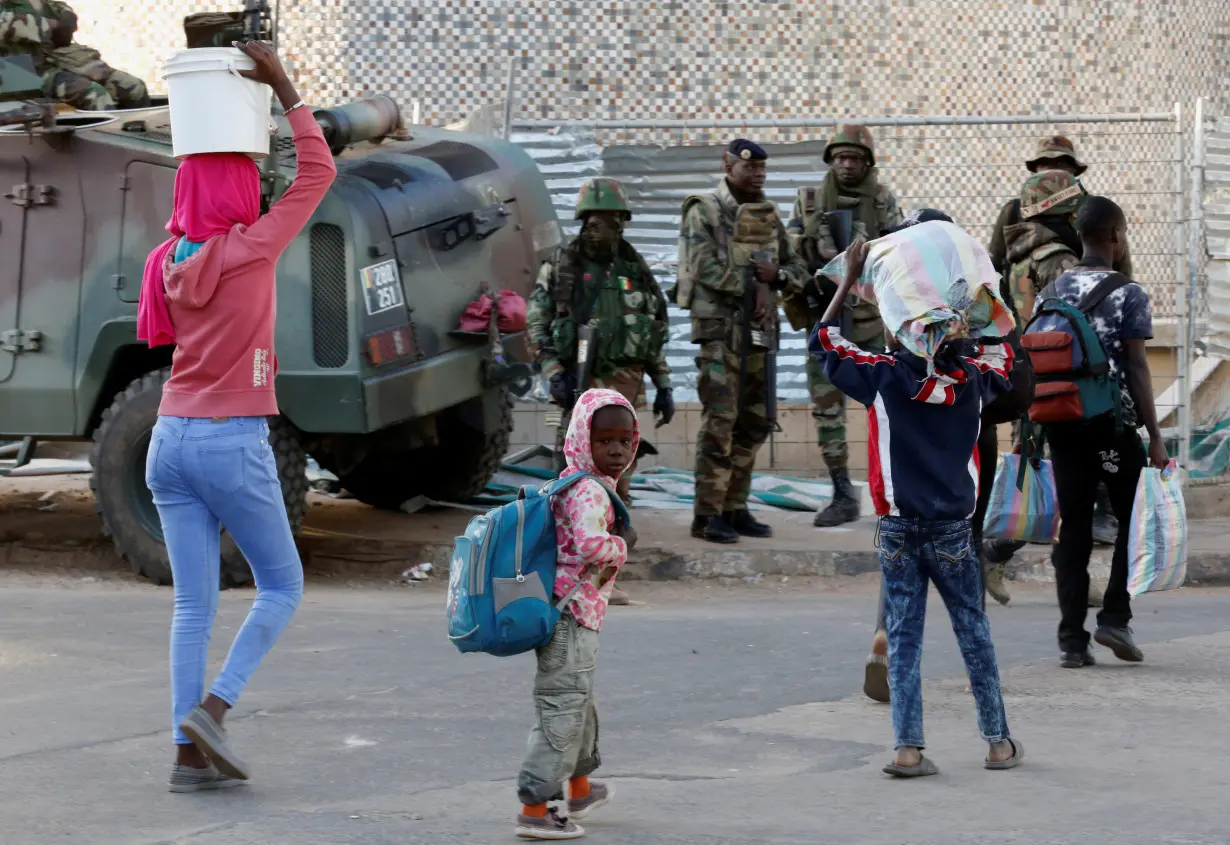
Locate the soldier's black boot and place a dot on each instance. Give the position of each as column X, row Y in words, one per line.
column 844, row 506
column 747, row 525
column 715, row 529
column 1105, row 525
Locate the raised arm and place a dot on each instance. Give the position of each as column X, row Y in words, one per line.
column 994, row 368
column 270, row 235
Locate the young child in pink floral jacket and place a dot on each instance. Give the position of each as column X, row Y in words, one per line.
column 563, row 745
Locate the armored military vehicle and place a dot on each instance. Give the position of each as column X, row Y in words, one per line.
column 374, row 381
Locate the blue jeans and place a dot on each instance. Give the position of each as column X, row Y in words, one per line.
column 913, row 551
column 204, row 475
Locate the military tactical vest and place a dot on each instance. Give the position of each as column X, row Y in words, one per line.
column 1023, row 282
column 756, row 229
column 631, row 334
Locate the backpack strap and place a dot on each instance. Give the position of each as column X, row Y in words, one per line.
column 1103, row 289
column 559, row 485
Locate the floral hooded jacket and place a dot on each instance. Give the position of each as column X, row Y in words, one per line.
column 584, row 516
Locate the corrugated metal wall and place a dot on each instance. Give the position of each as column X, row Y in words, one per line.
column 966, row 166
column 658, row 180
column 1217, row 235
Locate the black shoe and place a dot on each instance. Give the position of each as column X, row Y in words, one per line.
column 747, row 525
column 1000, row 551
column 1077, row 659
column 714, row 529
column 1120, row 641
column 843, row 507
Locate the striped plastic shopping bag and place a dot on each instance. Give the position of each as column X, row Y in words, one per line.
column 1023, row 503
column 1157, row 546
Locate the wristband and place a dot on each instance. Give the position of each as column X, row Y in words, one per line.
column 297, row 105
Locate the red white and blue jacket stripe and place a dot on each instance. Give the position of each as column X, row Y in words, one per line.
column 922, row 430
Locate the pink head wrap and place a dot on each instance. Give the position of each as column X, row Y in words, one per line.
column 214, row 192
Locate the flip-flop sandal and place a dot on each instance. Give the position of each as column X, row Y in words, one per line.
column 923, row 768
column 875, row 678
column 1018, row 756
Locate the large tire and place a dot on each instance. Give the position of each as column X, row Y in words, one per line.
column 456, row 470
column 125, row 504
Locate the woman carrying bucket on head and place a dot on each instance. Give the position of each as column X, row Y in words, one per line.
column 210, row 290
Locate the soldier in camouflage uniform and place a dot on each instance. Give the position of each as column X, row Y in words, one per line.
column 1034, row 242
column 1041, row 247
column 600, row 279
column 1054, row 152
column 851, row 184
column 72, row 73
column 733, row 251
column 1044, row 244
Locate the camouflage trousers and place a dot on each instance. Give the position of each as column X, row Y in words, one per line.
column 731, row 431
column 116, row 90
column 829, row 403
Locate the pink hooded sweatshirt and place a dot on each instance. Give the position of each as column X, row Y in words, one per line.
column 584, row 516
column 219, row 306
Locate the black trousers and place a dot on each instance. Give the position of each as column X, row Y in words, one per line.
column 1082, row 455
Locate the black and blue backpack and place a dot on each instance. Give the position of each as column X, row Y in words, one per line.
column 1071, row 367
column 502, row 574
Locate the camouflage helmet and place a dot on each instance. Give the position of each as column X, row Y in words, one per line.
column 1054, row 147
column 1051, row 192
column 602, row 195
column 851, row 135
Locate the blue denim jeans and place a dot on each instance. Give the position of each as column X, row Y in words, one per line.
column 913, row 552
column 204, row 475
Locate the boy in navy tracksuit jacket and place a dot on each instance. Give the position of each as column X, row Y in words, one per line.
column 922, row 433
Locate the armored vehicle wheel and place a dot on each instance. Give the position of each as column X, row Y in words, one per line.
column 125, row 504
column 456, row 470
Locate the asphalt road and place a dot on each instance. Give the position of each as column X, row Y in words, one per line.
column 728, row 716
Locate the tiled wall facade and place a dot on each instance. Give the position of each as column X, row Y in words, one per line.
column 727, row 58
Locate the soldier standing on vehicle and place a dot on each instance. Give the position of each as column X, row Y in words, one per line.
column 72, row 73
column 851, row 186
column 600, row 280
column 733, row 250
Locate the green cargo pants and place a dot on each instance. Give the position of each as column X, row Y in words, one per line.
column 563, row 744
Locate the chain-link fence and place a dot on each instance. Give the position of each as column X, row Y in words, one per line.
column 966, row 166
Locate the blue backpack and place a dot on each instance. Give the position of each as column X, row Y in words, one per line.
column 1071, row 367
column 502, row 574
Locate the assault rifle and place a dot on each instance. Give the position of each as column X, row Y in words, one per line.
column 762, row 339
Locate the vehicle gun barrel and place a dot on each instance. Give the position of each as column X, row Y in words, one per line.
column 362, row 120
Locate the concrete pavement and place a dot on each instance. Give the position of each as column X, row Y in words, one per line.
column 729, row 715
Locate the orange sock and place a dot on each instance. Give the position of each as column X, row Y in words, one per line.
column 578, row 788
column 534, row 811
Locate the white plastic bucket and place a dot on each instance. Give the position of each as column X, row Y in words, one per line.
column 213, row 108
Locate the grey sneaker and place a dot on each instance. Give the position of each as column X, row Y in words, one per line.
column 599, row 796
column 209, row 736
column 551, row 826
column 188, row 779
column 1119, row 641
